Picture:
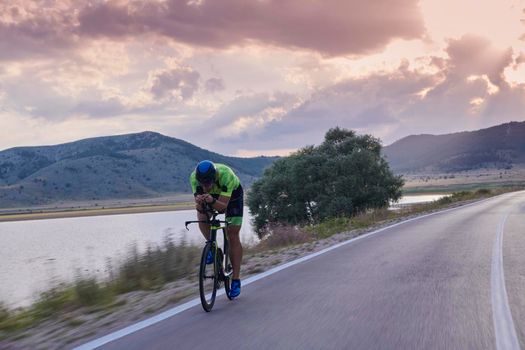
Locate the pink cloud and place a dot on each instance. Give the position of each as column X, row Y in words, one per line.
column 520, row 59
column 472, row 55
column 40, row 33
column 332, row 27
column 182, row 82
column 214, row 85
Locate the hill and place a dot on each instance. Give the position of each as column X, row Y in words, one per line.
column 500, row 147
column 140, row 165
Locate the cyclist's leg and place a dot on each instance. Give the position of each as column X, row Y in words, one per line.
column 205, row 228
column 234, row 213
column 235, row 249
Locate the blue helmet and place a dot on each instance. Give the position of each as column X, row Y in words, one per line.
column 205, row 172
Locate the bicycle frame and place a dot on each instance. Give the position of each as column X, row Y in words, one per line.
column 215, row 225
column 222, row 269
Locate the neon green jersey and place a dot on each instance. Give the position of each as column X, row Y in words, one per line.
column 225, row 181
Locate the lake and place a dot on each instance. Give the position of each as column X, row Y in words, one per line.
column 36, row 254
column 423, row 198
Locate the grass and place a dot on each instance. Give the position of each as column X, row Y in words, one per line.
column 256, row 270
column 178, row 297
column 149, row 310
column 329, row 227
column 472, row 187
column 4, row 313
column 149, row 270
column 119, row 303
column 157, row 266
column 74, row 322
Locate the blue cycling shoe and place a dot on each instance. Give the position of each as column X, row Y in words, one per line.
column 235, row 288
column 209, row 257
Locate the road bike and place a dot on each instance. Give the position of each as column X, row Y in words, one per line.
column 211, row 276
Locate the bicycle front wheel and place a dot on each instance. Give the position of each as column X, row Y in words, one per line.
column 208, row 279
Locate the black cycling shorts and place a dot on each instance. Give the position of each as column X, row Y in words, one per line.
column 234, row 210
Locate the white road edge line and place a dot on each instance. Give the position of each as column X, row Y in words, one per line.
column 506, row 337
column 93, row 344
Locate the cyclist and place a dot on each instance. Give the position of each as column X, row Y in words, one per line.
column 217, row 185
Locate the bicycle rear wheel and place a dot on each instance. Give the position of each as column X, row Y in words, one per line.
column 208, row 279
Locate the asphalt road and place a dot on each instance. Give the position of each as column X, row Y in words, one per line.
column 426, row 284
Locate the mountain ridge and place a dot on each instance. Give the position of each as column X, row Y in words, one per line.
column 137, row 165
column 501, row 146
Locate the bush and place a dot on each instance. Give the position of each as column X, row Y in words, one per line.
column 444, row 200
column 89, row 292
column 461, row 195
column 342, row 177
column 483, row 192
column 15, row 322
column 52, row 300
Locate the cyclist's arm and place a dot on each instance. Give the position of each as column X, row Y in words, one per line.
column 197, row 193
column 228, row 183
column 219, row 204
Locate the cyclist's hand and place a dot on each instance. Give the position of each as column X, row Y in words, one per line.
column 204, row 198
column 200, row 199
column 208, row 198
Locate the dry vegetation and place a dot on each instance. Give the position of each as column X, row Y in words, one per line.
column 465, row 180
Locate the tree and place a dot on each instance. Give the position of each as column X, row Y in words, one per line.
column 343, row 176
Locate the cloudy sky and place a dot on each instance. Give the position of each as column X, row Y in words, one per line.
column 250, row 77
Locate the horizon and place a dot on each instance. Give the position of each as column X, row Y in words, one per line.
column 261, row 77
